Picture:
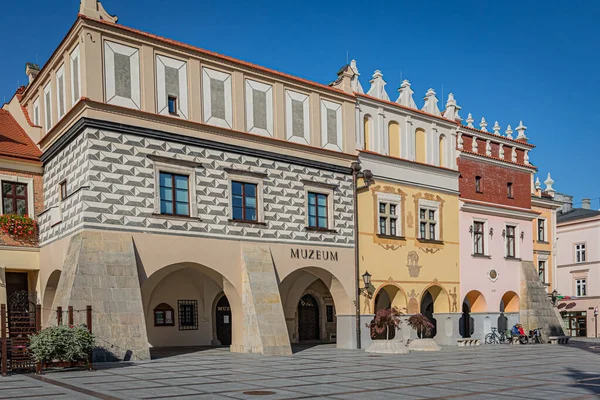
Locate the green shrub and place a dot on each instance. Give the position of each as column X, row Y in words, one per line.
column 62, row 343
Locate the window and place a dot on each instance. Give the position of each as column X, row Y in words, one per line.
column 542, row 271
column 75, row 80
column 60, row 92
column 243, row 201
column 163, row 315
column 172, row 103
column 478, row 238
column 478, row 184
column 317, row 210
column 174, row 194
column 388, row 219
column 427, row 218
column 509, row 190
column 580, row 252
column 580, row 287
column 63, row 190
column 329, row 313
column 510, row 241
column 541, row 230
column 36, row 112
column 14, row 198
column 188, row 315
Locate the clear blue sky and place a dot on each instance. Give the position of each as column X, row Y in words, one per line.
column 506, row 61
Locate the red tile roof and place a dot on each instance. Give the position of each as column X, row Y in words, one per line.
column 14, row 141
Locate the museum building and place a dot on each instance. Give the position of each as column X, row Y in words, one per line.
column 191, row 198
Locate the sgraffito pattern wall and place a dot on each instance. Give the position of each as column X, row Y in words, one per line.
column 121, row 194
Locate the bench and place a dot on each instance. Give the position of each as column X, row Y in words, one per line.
column 558, row 339
column 468, row 342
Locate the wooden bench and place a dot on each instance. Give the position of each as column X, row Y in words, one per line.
column 558, row 339
column 468, row 342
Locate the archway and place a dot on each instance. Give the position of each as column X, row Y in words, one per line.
column 476, row 301
column 223, row 322
column 466, row 323
column 193, row 294
column 49, row 294
column 434, row 300
column 394, row 139
column 510, row 302
column 308, row 319
column 388, row 296
column 328, row 294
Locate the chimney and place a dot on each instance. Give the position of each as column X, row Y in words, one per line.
column 586, row 204
column 32, row 70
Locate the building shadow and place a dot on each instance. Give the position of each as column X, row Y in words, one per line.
column 584, row 380
column 157, row 353
column 300, row 347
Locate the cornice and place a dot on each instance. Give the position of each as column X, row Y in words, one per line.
column 500, row 139
column 497, row 210
column 496, row 161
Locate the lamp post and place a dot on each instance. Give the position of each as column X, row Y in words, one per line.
column 367, row 176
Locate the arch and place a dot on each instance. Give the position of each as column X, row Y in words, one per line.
column 202, row 286
column 476, row 301
column 390, row 295
column 439, row 297
column 466, row 323
column 49, row 294
column 510, row 302
column 442, row 150
column 394, row 139
column 367, row 131
column 324, row 287
column 420, row 146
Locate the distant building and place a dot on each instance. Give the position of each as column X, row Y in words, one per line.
column 578, row 265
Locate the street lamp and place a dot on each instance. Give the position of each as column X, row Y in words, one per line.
column 367, row 177
column 367, row 279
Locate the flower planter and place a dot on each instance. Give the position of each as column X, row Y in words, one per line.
column 424, row 345
column 387, row 347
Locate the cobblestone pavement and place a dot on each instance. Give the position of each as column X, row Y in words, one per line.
column 324, row 372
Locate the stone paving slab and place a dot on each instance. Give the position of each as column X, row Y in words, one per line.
column 486, row 372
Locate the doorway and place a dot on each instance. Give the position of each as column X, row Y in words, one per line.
column 308, row 318
column 466, row 322
column 17, row 291
column 223, row 321
column 427, row 310
column 576, row 322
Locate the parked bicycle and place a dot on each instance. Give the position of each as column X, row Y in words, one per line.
column 496, row 337
column 536, row 336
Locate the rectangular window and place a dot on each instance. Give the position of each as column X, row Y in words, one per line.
column 172, row 103
column 478, row 238
column 541, row 230
column 63, row 190
column 581, row 288
column 542, row 271
column 428, row 223
column 174, row 194
column 14, row 198
column 510, row 241
column 478, row 184
column 48, row 107
column 317, row 210
column 75, row 81
column 36, row 112
column 188, row 315
column 244, row 201
column 580, row 252
column 388, row 219
column 509, row 190
column 330, row 314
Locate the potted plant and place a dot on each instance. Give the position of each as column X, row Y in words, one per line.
column 423, row 326
column 62, row 345
column 386, row 321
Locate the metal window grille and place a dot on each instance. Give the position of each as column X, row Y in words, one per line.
column 188, row 315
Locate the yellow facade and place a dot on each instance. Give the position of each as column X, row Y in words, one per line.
column 542, row 249
column 405, row 268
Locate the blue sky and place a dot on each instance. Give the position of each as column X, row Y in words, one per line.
column 505, row 61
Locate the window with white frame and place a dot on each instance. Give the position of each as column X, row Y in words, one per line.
column 511, row 241
column 479, row 238
column 246, row 196
column 48, row 106
column 60, row 92
column 319, row 205
column 581, row 287
column 580, row 254
column 428, row 220
column 388, row 214
column 541, row 227
column 174, row 187
column 75, row 76
column 17, row 195
column 36, row 112
column 542, row 270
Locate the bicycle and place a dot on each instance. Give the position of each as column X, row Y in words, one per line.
column 536, row 336
column 496, row 337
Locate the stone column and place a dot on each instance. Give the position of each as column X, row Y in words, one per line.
column 447, row 328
